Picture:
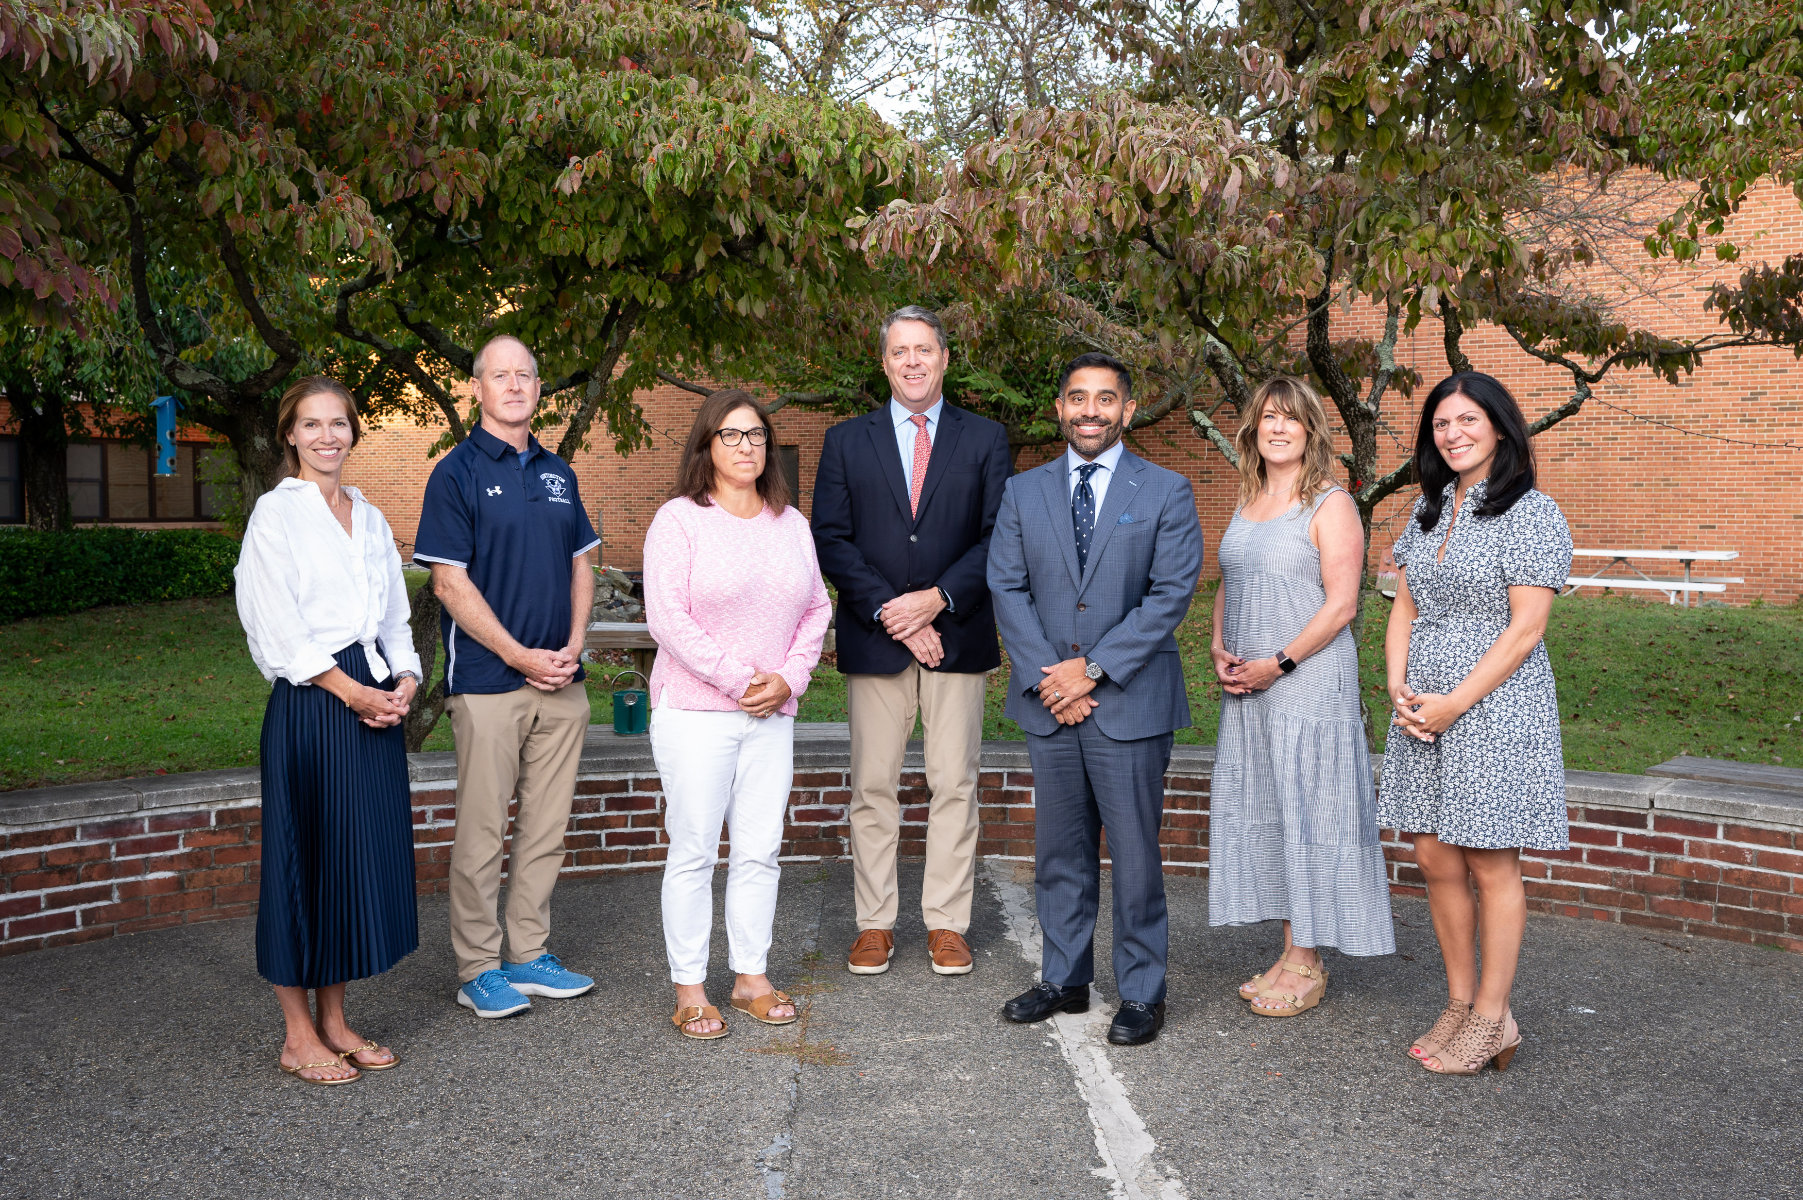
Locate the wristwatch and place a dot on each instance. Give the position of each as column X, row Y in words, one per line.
column 1092, row 669
column 1285, row 663
column 413, row 675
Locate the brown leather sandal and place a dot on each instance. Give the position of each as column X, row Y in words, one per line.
column 699, row 1012
column 758, row 1008
column 349, row 1056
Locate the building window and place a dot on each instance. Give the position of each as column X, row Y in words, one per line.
column 87, row 481
column 788, row 460
column 117, row 481
column 12, row 483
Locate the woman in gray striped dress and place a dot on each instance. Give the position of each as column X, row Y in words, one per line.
column 1292, row 830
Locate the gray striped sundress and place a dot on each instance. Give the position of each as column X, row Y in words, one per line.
column 1292, row 828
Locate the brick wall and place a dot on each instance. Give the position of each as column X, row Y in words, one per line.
column 74, row 882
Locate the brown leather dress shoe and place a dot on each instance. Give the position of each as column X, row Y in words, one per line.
column 871, row 953
column 951, row 956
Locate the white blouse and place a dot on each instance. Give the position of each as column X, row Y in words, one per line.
column 306, row 589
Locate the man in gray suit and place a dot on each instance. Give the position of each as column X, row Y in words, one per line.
column 1092, row 566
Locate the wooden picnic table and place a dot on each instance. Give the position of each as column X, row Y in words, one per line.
column 1673, row 588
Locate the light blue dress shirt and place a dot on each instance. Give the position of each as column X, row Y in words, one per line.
column 904, row 446
column 904, row 433
column 1108, row 460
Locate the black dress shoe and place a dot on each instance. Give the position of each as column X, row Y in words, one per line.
column 1043, row 999
column 1136, row 1023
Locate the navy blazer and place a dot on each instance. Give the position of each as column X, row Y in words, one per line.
column 872, row 550
column 1122, row 610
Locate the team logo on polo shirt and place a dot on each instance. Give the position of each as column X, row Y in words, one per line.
column 555, row 485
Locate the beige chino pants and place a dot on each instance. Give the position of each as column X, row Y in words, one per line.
column 526, row 743
column 883, row 708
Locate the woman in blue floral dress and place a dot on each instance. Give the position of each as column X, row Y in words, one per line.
column 1473, row 766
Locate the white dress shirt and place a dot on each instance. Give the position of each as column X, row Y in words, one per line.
column 904, row 432
column 1108, row 460
column 306, row 590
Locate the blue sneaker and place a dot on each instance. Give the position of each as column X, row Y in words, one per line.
column 545, row 976
column 490, row 995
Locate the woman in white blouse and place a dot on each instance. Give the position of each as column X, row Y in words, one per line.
column 324, row 608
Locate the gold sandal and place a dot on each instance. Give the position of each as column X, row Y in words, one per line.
column 1293, row 1003
column 1479, row 1042
column 394, row 1060
column 1429, row 1044
column 758, row 1008
column 330, row 1062
column 699, row 1012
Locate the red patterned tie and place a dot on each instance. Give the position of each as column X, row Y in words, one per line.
column 923, row 450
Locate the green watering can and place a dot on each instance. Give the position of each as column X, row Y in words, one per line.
column 632, row 706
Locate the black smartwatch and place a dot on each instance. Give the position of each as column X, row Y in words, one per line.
column 1285, row 663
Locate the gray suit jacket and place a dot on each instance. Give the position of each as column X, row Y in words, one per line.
column 1122, row 610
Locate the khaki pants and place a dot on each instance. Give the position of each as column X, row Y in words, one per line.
column 882, row 717
column 526, row 743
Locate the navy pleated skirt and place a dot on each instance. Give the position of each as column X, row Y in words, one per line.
column 337, row 900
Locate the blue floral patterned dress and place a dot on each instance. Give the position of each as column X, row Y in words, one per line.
column 1496, row 778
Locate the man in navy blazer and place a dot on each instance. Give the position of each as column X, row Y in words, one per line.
column 904, row 502
column 1092, row 566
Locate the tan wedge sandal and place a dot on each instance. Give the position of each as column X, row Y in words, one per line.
column 1479, row 1042
column 699, row 1012
column 1429, row 1044
column 1258, row 982
column 1294, row 1004
column 758, row 1008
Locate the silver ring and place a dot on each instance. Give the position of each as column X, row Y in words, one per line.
column 1057, row 695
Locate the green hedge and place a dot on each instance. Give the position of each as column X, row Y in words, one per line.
column 45, row 574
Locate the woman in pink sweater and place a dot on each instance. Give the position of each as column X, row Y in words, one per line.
column 734, row 598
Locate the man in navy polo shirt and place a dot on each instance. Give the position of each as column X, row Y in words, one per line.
column 504, row 529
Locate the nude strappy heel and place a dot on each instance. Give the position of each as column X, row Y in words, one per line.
column 1429, row 1044
column 1479, row 1042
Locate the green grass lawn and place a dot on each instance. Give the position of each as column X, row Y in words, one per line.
column 114, row 692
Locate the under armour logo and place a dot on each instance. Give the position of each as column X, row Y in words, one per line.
column 494, row 491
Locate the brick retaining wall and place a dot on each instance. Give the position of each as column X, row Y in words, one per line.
column 91, row 861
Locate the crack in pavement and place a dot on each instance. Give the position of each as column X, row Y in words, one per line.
column 774, row 1160
column 1130, row 1162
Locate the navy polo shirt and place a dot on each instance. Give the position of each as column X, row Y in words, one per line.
column 514, row 522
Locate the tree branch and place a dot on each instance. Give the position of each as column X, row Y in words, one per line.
column 685, row 385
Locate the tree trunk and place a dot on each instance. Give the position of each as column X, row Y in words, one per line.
column 428, row 702
column 44, row 458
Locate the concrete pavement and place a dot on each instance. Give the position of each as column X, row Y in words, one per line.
column 1652, row 1066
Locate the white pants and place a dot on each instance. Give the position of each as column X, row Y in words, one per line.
column 736, row 768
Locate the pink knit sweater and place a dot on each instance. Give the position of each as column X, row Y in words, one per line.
column 727, row 598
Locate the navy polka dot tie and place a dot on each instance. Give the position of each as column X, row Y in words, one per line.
column 1083, row 512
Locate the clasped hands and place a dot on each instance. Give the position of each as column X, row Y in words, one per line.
column 1239, row 677
column 766, row 693
column 548, row 670
column 909, row 620
column 379, row 709
column 1066, row 691
column 1423, row 715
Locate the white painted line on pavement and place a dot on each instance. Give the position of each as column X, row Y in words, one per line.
column 1129, row 1155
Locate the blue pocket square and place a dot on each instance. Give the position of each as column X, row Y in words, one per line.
column 1126, row 519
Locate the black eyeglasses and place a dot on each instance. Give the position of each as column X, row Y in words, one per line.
column 730, row 437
